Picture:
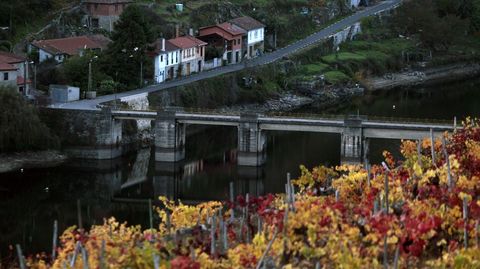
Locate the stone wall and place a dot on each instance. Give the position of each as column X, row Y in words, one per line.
column 86, row 134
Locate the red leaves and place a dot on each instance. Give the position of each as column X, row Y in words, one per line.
column 184, row 262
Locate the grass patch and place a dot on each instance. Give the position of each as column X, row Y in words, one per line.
column 336, row 77
column 314, row 69
column 343, row 57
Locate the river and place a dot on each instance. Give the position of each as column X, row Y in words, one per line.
column 31, row 200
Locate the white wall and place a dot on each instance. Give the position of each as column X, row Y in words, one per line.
column 256, row 35
column 43, row 55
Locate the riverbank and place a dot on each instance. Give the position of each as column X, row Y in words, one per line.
column 427, row 76
column 26, row 160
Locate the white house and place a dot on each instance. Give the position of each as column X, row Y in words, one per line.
column 13, row 69
column 254, row 38
column 166, row 60
column 62, row 48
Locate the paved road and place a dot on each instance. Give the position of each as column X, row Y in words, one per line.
column 265, row 59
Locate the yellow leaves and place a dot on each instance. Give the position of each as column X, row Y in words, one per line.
column 392, row 240
column 184, row 216
column 417, row 170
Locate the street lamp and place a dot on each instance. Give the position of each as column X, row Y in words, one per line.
column 34, row 74
column 90, row 72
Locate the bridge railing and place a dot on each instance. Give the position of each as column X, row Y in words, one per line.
column 410, row 120
column 279, row 114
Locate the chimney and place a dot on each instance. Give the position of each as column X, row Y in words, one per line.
column 163, row 44
column 177, row 30
column 190, row 31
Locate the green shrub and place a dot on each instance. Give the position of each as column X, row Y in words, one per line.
column 336, row 77
column 20, row 126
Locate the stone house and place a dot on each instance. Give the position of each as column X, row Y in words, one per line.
column 227, row 37
column 166, row 58
column 13, row 70
column 62, row 48
column 103, row 13
column 253, row 39
column 192, row 54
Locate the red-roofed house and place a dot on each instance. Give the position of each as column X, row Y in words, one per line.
column 253, row 43
column 62, row 48
column 12, row 71
column 192, row 52
column 103, row 13
column 166, row 60
column 226, row 36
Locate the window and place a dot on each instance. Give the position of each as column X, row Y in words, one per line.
column 96, row 6
column 116, row 7
column 5, row 76
column 256, row 33
column 234, row 42
column 238, row 41
column 161, row 58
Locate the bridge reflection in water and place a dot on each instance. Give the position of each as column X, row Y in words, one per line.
column 189, row 181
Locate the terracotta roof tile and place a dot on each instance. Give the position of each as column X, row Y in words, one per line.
column 69, row 45
column 247, row 23
column 231, row 28
column 10, row 58
column 157, row 45
column 6, row 67
column 185, row 42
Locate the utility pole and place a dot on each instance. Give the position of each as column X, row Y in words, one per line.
column 25, row 66
column 90, row 75
column 141, row 73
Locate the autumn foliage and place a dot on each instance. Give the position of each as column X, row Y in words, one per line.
column 414, row 213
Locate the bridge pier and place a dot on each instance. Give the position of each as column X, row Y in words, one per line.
column 352, row 143
column 169, row 138
column 251, row 141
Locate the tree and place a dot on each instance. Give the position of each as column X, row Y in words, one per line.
column 20, row 126
column 126, row 53
column 75, row 70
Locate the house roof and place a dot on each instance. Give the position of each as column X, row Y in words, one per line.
column 231, row 28
column 70, row 45
column 6, row 67
column 10, row 58
column 247, row 23
column 21, row 80
column 106, row 1
column 185, row 42
column 157, row 46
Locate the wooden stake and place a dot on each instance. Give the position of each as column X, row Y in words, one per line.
column 317, row 265
column 419, row 152
column 79, row 214
column 232, row 200
column 102, row 255
column 225, row 238
column 21, row 259
column 247, row 218
column 397, row 256
column 212, row 236
column 386, row 194
column 54, row 240
column 259, row 264
column 375, row 206
column 385, row 253
column 156, row 261
column 150, row 213
column 432, row 147
column 337, row 193
column 75, row 252
column 455, row 124
column 447, row 161
column 84, row 257
column 465, row 218
column 367, row 167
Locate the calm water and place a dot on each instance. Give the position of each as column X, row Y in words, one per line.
column 30, row 201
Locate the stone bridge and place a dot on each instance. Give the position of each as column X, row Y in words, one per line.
column 356, row 131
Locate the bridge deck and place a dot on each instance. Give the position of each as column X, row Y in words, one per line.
column 333, row 124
